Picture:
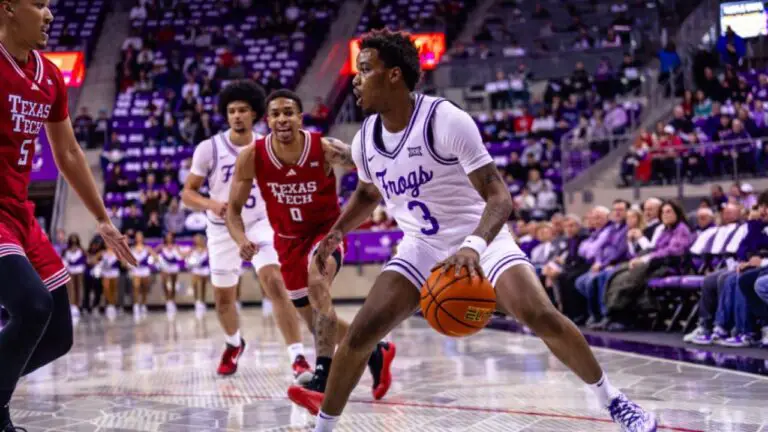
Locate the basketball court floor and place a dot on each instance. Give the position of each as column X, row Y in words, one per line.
column 159, row 376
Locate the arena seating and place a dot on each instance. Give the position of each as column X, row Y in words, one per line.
column 140, row 141
column 416, row 16
column 76, row 25
column 726, row 114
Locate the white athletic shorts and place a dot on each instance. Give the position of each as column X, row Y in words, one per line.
column 415, row 258
column 224, row 255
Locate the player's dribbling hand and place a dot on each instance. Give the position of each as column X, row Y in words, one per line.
column 117, row 242
column 325, row 248
column 248, row 250
column 465, row 258
column 220, row 209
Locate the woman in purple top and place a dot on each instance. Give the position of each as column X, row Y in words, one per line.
column 171, row 187
column 626, row 293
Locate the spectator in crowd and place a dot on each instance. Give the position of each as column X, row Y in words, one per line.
column 173, row 220
column 115, row 217
column 612, row 251
column 519, row 85
column 627, row 290
column 611, row 40
column 629, row 73
column 524, row 203
column 560, row 273
column 580, row 80
column 731, row 47
column 705, row 219
column 498, row 91
column 154, row 228
column 670, row 64
column 151, row 195
column 605, row 80
column 515, row 168
column 545, row 250
column 718, row 197
column 664, row 155
column 652, row 216
column 747, row 199
column 138, row 12
column 616, row 119
column 546, row 202
column 84, row 126
column 514, row 49
column 134, row 221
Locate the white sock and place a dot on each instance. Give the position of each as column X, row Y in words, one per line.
column 234, row 340
column 325, row 422
column 604, row 391
column 295, row 350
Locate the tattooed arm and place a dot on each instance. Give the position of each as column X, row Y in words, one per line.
column 362, row 203
column 498, row 201
column 337, row 153
column 456, row 136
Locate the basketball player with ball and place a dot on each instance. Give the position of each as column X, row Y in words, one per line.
column 426, row 159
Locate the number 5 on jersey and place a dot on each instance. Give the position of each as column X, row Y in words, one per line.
column 25, row 150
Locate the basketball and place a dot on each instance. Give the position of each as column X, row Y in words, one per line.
column 457, row 306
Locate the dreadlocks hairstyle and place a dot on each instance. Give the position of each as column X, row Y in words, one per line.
column 396, row 50
column 287, row 94
column 242, row 91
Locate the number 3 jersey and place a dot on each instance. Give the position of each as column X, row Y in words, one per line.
column 421, row 171
column 301, row 198
column 32, row 93
column 215, row 159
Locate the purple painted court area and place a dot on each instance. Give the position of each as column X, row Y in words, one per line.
column 664, row 346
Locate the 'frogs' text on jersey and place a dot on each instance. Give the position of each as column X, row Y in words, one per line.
column 215, row 159
column 421, row 171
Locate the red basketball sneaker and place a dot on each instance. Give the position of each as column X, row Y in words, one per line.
column 380, row 367
column 309, row 399
column 230, row 358
column 302, row 371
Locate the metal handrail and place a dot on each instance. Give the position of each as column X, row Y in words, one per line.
column 702, row 148
column 59, row 204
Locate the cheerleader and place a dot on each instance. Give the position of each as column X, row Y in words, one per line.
column 75, row 260
column 197, row 263
column 170, row 258
column 110, row 274
column 140, row 276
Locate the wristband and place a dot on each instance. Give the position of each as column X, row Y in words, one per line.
column 476, row 243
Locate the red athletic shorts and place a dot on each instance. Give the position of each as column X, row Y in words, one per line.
column 294, row 254
column 20, row 234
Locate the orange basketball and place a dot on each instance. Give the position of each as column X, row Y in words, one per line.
column 457, row 306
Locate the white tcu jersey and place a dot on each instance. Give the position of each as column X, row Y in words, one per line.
column 421, row 171
column 215, row 159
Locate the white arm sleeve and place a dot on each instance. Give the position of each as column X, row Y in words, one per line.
column 202, row 159
column 457, row 136
column 357, row 157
